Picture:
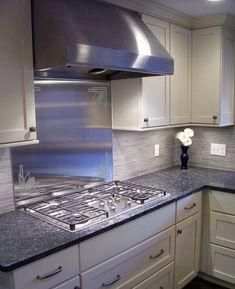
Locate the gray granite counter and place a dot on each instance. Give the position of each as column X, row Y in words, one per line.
column 24, row 239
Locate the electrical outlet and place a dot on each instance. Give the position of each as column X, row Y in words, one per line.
column 218, row 149
column 156, row 150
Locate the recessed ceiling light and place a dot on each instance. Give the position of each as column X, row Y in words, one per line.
column 214, row 0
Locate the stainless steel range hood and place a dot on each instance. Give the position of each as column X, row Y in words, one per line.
column 94, row 39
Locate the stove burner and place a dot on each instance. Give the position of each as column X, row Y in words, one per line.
column 80, row 209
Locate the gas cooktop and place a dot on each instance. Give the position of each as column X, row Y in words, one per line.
column 83, row 208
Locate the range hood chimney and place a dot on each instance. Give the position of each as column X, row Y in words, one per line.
column 94, row 39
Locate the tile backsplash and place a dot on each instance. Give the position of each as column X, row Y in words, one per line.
column 133, row 152
column 6, row 187
column 200, row 150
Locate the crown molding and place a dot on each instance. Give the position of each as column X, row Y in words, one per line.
column 154, row 9
column 222, row 19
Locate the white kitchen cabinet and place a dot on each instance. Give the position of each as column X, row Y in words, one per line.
column 132, row 266
column 213, row 65
column 143, row 102
column 71, row 284
column 218, row 243
column 180, row 82
column 45, row 273
column 188, row 238
column 17, row 109
column 156, row 101
column 162, row 279
column 130, row 253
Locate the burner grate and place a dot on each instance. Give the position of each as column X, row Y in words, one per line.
column 77, row 210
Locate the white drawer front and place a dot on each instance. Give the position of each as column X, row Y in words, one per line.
column 147, row 257
column 161, row 279
column 188, row 206
column 222, row 263
column 109, row 244
column 71, row 284
column 222, row 202
column 63, row 264
column 222, row 228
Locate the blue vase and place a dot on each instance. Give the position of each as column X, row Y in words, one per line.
column 184, row 157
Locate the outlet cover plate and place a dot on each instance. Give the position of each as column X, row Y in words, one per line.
column 218, row 149
column 156, row 150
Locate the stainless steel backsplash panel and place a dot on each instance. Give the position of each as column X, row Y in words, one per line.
column 74, row 130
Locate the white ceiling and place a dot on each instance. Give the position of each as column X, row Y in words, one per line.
column 200, row 7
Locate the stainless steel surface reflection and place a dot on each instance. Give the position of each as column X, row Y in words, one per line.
column 74, row 130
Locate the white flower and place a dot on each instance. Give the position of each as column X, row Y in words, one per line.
column 185, row 136
column 189, row 132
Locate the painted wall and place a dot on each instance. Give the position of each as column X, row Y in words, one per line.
column 6, row 188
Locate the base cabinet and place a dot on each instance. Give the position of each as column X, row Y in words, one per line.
column 187, row 250
column 218, row 243
column 160, row 280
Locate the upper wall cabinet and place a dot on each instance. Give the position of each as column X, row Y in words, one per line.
column 159, row 100
column 17, row 109
column 143, row 102
column 180, row 82
column 213, row 56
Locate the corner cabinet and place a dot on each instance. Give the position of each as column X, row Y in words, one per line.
column 213, row 65
column 17, row 109
column 150, row 102
column 218, row 243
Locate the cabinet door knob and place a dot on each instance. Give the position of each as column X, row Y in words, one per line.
column 179, row 231
column 32, row 129
column 146, row 119
column 215, row 117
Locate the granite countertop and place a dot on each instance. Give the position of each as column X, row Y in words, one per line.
column 25, row 239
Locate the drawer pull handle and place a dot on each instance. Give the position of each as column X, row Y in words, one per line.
column 161, row 287
column 112, row 282
column 191, row 207
column 157, row 255
column 45, row 276
column 179, row 231
column 77, row 287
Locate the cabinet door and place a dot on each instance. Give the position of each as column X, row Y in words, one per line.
column 187, row 250
column 71, row 284
column 227, row 77
column 222, row 263
column 163, row 279
column 17, row 109
column 206, row 60
column 155, row 90
column 180, row 82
